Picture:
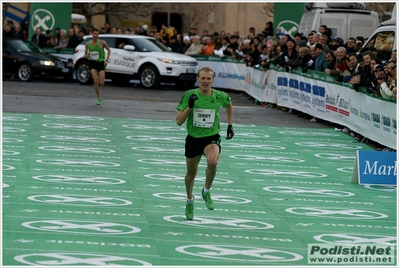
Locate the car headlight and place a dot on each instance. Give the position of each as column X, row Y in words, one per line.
column 47, row 62
column 169, row 61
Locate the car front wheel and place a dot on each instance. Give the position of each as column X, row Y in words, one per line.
column 83, row 73
column 149, row 76
column 25, row 72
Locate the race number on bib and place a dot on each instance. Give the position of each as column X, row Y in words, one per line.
column 94, row 55
column 204, row 118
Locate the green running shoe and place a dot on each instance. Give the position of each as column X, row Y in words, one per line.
column 99, row 101
column 190, row 210
column 208, row 199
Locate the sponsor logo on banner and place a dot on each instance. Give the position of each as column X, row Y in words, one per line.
column 335, row 156
column 337, row 213
column 73, row 127
column 223, row 75
column 73, row 138
column 74, row 117
column 8, row 152
column 307, row 133
column 220, row 223
column 279, row 159
column 332, row 102
column 286, row 173
column 382, row 188
column 179, row 179
column 374, row 167
column 74, row 149
column 158, row 128
column 219, row 198
column 329, row 145
column 239, row 253
column 307, row 191
column 80, row 200
column 77, row 163
column 12, row 130
column 78, row 179
column 7, row 140
column 13, row 118
column 386, row 123
column 354, row 111
column 348, row 239
column 81, row 227
column 72, row 259
column 376, row 118
column 364, row 115
column 344, row 106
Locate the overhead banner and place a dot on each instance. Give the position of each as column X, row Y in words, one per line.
column 287, row 16
column 49, row 16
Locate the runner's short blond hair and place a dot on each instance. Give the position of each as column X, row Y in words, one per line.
column 207, row 69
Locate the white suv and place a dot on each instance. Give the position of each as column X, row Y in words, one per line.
column 137, row 57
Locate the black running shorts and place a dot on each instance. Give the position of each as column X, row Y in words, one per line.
column 196, row 146
column 97, row 65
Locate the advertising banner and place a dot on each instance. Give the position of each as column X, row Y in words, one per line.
column 375, row 168
column 287, row 16
column 49, row 16
column 314, row 93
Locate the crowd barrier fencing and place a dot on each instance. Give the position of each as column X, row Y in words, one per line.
column 313, row 93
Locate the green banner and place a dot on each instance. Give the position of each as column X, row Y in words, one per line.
column 49, row 16
column 287, row 16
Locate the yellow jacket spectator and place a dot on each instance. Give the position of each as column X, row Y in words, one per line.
column 166, row 30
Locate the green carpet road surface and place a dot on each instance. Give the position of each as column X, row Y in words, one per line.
column 83, row 190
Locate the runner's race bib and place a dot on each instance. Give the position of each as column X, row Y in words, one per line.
column 94, row 55
column 204, row 118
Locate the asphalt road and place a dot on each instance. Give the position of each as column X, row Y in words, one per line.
column 71, row 98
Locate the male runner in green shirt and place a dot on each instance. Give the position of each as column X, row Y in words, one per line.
column 94, row 51
column 201, row 109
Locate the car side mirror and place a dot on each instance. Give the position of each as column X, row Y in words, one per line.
column 129, row 48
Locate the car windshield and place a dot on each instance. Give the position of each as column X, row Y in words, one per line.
column 150, row 45
column 141, row 44
column 25, row 46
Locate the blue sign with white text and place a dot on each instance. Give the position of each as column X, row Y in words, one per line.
column 378, row 168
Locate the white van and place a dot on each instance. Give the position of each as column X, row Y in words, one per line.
column 383, row 39
column 344, row 19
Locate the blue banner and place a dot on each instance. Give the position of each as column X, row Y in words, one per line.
column 376, row 167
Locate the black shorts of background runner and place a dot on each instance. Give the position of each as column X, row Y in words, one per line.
column 97, row 65
column 195, row 146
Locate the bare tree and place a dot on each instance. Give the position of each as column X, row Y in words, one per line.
column 268, row 9
column 119, row 10
column 194, row 14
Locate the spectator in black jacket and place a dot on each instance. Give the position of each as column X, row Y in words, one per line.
column 38, row 38
column 268, row 31
column 19, row 32
column 232, row 47
column 73, row 39
column 7, row 31
column 289, row 54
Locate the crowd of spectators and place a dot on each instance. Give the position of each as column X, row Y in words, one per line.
column 57, row 39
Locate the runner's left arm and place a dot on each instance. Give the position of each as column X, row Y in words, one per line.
column 105, row 45
column 229, row 113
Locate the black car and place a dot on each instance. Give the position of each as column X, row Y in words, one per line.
column 26, row 60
